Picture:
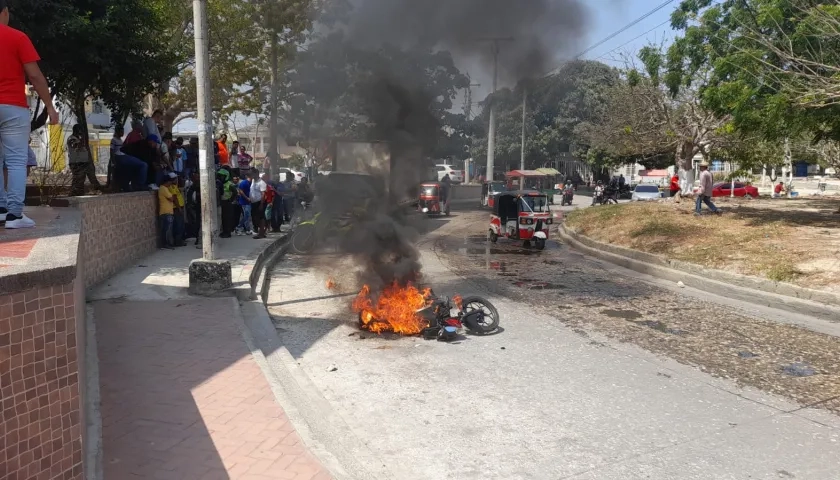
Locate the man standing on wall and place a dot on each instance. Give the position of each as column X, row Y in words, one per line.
column 19, row 60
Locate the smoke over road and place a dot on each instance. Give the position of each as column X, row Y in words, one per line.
column 400, row 109
column 543, row 31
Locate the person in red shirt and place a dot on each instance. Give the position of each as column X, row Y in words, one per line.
column 777, row 192
column 675, row 185
column 19, row 60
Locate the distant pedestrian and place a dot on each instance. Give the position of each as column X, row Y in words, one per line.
column 19, row 61
column 257, row 196
column 228, row 200
column 178, row 203
column 130, row 172
column 245, row 161
column 166, row 213
column 81, row 163
column 675, row 185
column 704, row 195
column 233, row 158
column 193, row 208
column 778, row 190
column 244, row 199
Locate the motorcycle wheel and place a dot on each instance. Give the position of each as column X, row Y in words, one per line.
column 490, row 319
column 493, row 237
column 303, row 239
column 539, row 244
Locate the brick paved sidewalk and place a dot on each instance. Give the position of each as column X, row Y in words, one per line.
column 182, row 397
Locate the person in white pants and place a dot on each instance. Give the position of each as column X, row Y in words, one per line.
column 19, row 60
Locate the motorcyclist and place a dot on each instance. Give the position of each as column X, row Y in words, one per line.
column 599, row 192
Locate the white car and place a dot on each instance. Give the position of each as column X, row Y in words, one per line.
column 646, row 193
column 282, row 174
column 456, row 176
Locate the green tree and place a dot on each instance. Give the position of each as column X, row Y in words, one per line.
column 562, row 109
column 776, row 63
column 96, row 49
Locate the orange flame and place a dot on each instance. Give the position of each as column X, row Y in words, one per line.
column 395, row 310
column 331, row 284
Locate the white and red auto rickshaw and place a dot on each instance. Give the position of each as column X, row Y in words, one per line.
column 522, row 215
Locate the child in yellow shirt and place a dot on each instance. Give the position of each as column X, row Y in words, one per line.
column 166, row 213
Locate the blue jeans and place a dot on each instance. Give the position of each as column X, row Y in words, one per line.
column 701, row 199
column 245, row 222
column 178, row 228
column 14, row 140
column 166, row 223
column 131, row 170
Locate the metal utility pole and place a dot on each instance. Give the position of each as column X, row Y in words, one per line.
column 491, row 131
column 468, row 115
column 274, row 132
column 522, row 154
column 207, row 174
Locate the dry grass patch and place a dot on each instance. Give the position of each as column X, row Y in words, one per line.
column 784, row 241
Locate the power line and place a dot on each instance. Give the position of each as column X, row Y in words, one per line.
column 633, row 39
column 624, row 28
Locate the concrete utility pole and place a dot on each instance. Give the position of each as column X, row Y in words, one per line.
column 274, row 132
column 491, row 131
column 207, row 275
column 789, row 163
column 522, row 154
column 468, row 115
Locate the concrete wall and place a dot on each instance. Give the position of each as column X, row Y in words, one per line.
column 40, row 357
column 116, row 231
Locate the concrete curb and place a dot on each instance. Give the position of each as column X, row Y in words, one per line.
column 784, row 296
column 93, row 402
column 324, row 432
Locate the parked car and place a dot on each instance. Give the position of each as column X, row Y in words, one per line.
column 282, row 174
column 456, row 176
column 645, row 193
column 724, row 189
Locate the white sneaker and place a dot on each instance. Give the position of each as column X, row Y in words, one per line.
column 22, row 222
column 249, row 233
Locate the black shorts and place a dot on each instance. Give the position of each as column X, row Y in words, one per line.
column 257, row 212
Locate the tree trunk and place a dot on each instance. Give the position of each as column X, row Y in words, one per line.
column 685, row 166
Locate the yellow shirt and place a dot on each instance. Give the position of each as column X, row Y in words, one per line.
column 165, row 199
column 178, row 198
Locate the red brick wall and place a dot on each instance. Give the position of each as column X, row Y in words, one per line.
column 116, row 231
column 40, row 403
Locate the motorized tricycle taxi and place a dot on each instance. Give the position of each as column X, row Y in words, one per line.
column 522, row 215
column 489, row 190
column 431, row 200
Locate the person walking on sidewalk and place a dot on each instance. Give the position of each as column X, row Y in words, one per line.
column 19, row 60
column 704, row 195
column 81, row 165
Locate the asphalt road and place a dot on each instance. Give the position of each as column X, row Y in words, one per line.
column 553, row 395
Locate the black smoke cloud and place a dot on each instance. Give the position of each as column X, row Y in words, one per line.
column 544, row 32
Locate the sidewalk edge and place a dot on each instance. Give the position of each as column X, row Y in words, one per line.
column 93, row 415
column 790, row 298
column 322, row 430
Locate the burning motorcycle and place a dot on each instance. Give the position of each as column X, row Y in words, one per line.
column 407, row 310
column 478, row 315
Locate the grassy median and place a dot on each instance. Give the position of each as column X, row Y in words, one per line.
column 795, row 241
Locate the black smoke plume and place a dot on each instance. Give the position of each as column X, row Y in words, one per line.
column 542, row 32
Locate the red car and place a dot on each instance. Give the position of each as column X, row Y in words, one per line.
column 724, row 189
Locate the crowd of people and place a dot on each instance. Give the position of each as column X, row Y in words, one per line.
column 251, row 204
